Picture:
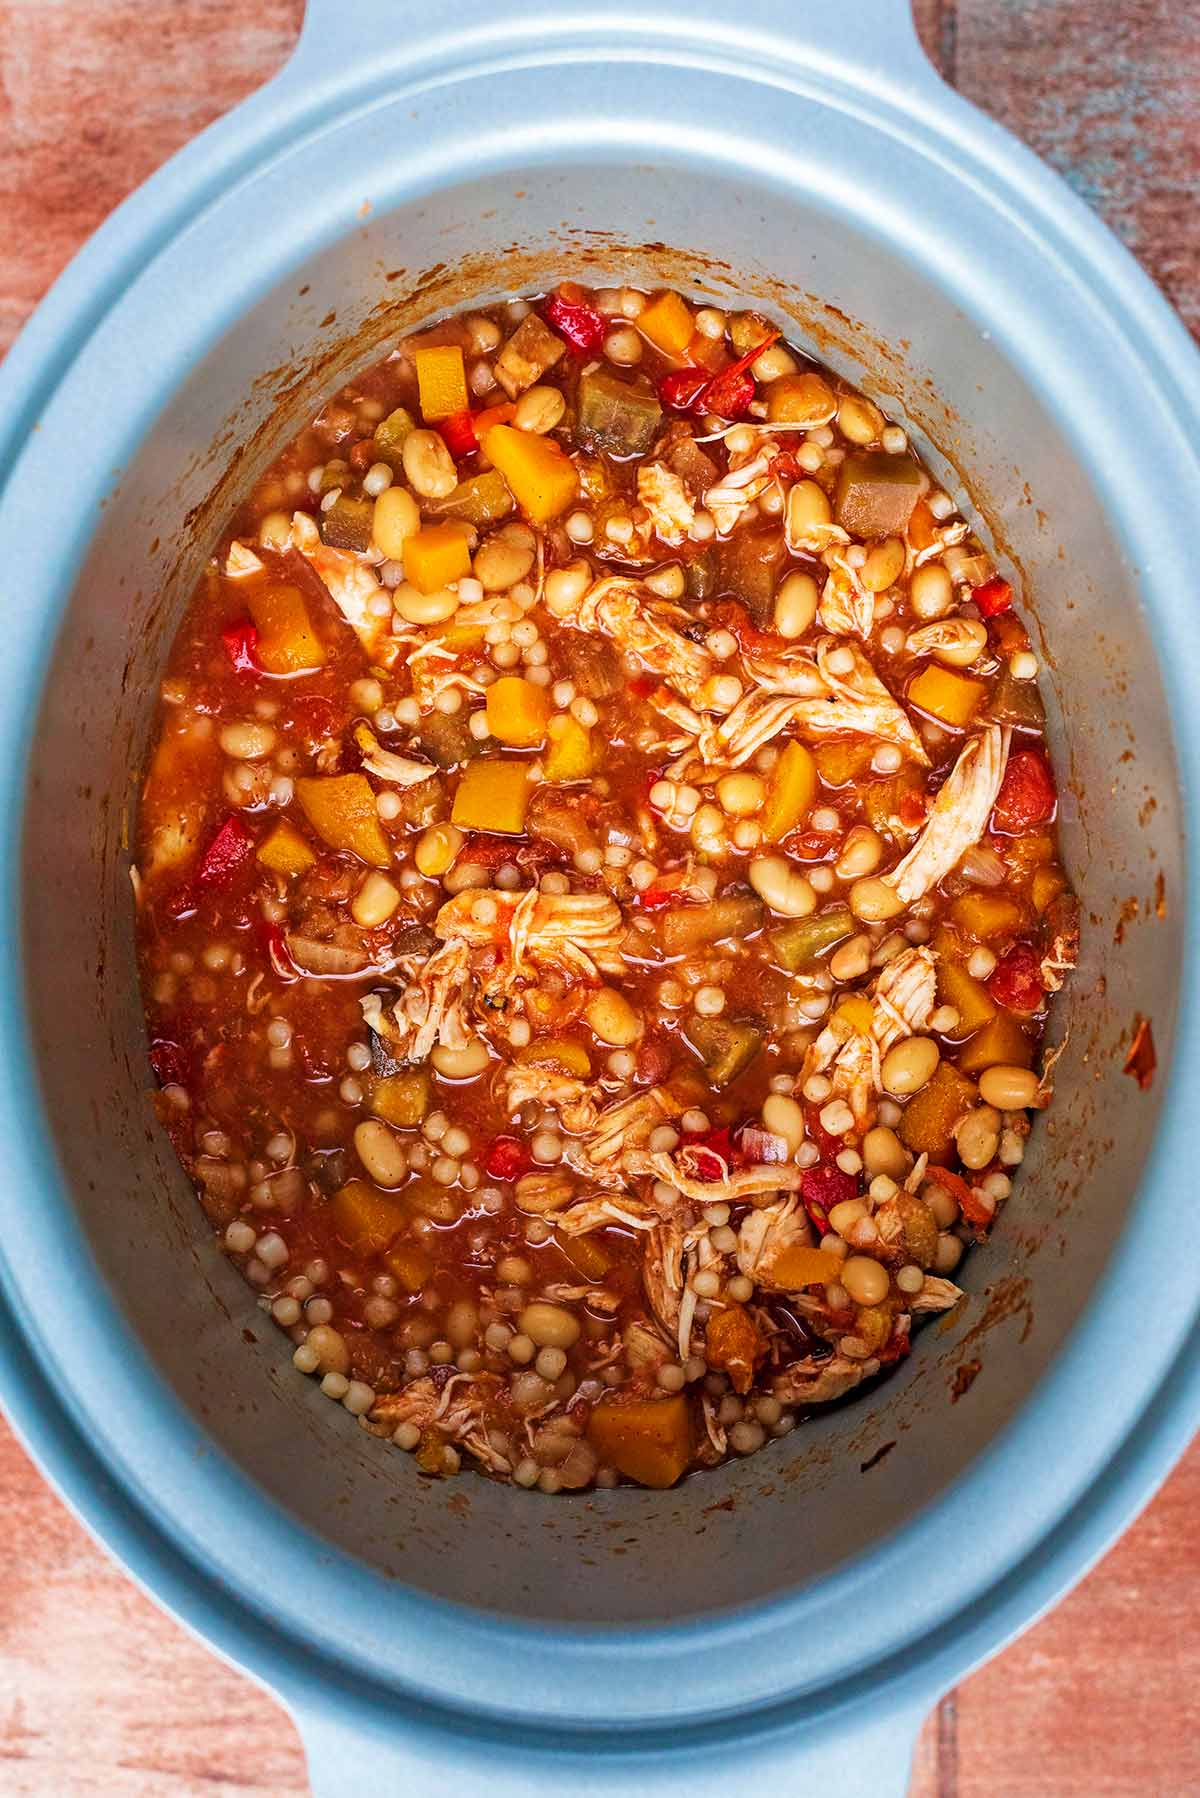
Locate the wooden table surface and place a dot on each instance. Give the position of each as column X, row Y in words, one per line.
column 99, row 1692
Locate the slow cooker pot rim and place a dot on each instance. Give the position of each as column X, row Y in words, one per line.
column 70, row 313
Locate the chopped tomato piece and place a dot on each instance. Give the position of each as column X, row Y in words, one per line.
column 1027, row 793
column 241, row 642
column 228, row 850
column 458, row 434
column 1016, row 981
column 822, row 1187
column 583, row 327
column 507, row 1159
column 993, row 596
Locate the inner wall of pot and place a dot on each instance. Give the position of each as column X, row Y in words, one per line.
column 848, row 1476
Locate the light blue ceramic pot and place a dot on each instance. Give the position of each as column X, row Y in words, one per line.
column 790, row 1618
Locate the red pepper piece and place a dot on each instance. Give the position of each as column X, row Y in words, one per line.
column 507, row 1159
column 680, row 389
column 1027, row 794
column 227, row 851
column 171, row 1063
column 912, row 808
column 992, row 596
column 1016, row 981
column 241, row 642
column 583, row 327
column 830, row 1146
column 822, row 1188
column 458, row 434
column 965, row 1196
column 654, row 898
column 278, row 953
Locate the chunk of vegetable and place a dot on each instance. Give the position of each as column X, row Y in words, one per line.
column 558, row 1052
column 349, row 522
column 668, row 323
column 799, row 942
column 588, row 1254
column 914, row 1222
column 341, row 809
column 621, row 416
column 791, row 789
column 1046, row 885
column 725, row 1045
column 517, row 711
column 482, row 500
column 648, row 1440
column 592, row 663
column 441, row 382
column 437, row 555
column 410, row 1264
column 571, row 753
column 843, row 761
column 390, row 433
column 896, row 807
column 734, row 1345
column 797, row 1266
column 953, row 699
column 402, row 1099
column 1000, row 1043
column 540, row 474
column 749, row 565
column 876, row 493
column 366, row 1220
column 987, row 914
column 927, row 1123
column 529, row 352
column 493, row 795
column 446, row 736
column 690, row 927
column 284, row 851
column 287, row 642
column 425, row 1198
column 1016, row 702
column 969, row 997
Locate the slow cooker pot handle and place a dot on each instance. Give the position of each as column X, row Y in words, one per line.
column 354, row 1750
column 340, row 36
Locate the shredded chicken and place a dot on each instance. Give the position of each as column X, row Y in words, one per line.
column 241, row 561
column 667, row 500
column 847, row 607
column 601, row 1210
column 955, row 634
column 577, row 932
column 455, row 1410
column 663, row 1277
column 818, row 1381
column 431, row 1008
column 729, row 1188
column 574, row 1100
column 936, row 1295
column 647, row 627
column 351, row 584
column 399, row 770
column 746, row 481
column 625, row 1126
column 765, row 1234
column 901, row 999
column 958, row 817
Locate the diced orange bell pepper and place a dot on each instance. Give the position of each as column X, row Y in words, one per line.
column 493, row 794
column 540, row 475
column 648, row 1440
column 668, row 323
column 436, row 555
column 287, row 642
column 953, row 699
column 441, row 382
column 517, row 711
column 341, row 809
column 284, row 851
column 366, row 1220
column 791, row 789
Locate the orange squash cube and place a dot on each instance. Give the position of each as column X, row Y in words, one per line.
column 341, row 809
column 668, row 323
column 366, row 1220
column 287, row 642
column 517, row 711
column 648, row 1440
column 284, row 851
column 1000, row 1043
column 732, row 1343
column 953, row 699
column 791, row 789
column 436, row 555
column 493, row 794
column 797, row 1266
column 441, row 382
column 541, row 477
column 571, row 753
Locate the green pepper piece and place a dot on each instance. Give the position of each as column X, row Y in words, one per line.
column 616, row 415
column 797, row 943
column 726, row 1046
column 348, row 523
column 390, row 433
